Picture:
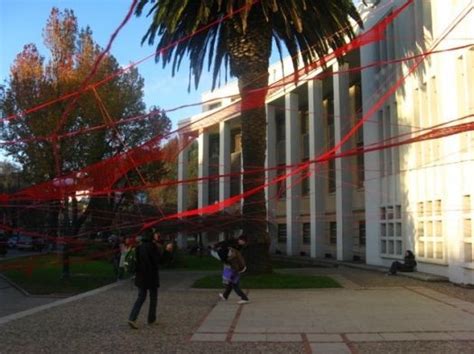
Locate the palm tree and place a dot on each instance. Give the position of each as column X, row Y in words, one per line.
column 242, row 43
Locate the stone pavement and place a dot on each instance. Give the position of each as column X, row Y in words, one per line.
column 370, row 314
column 328, row 320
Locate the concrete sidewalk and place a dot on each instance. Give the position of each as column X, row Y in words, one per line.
column 333, row 319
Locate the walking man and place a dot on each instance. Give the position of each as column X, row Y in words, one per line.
column 147, row 277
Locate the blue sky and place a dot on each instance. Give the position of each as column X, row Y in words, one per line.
column 22, row 22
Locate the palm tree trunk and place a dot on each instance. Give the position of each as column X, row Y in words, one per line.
column 250, row 52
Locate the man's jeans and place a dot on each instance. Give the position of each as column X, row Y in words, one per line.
column 140, row 300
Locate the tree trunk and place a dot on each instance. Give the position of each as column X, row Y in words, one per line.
column 249, row 52
column 64, row 226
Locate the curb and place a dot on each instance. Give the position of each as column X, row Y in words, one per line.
column 27, row 294
column 334, row 263
column 15, row 285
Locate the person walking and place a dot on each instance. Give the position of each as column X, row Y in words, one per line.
column 147, row 278
column 234, row 265
column 124, row 249
column 115, row 244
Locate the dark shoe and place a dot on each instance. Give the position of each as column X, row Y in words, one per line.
column 133, row 324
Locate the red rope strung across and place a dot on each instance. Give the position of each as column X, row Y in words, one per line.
column 99, row 179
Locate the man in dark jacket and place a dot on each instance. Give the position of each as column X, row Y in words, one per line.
column 147, row 278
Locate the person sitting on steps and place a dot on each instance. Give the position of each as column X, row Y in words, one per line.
column 409, row 264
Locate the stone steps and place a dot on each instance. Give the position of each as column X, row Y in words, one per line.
column 328, row 263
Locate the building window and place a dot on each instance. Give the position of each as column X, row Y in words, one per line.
column 236, row 141
column 466, row 204
column 281, row 185
column 305, row 180
column 468, row 230
column 281, row 233
column 213, row 190
column 465, row 97
column 331, row 175
column 381, row 137
column 214, row 105
column 306, row 233
column 360, row 158
column 434, row 118
column 421, row 209
column 328, row 109
column 280, row 126
column 280, row 138
column 437, row 207
column 362, row 233
column 304, row 115
column 388, row 130
column 333, row 232
column 388, row 121
column 429, row 231
column 391, row 232
column 304, row 126
column 236, row 163
column 213, row 148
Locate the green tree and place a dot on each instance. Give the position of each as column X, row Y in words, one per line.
column 34, row 80
column 243, row 44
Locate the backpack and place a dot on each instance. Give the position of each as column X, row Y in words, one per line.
column 236, row 260
column 130, row 263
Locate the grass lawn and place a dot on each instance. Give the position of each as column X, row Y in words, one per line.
column 271, row 281
column 187, row 262
column 42, row 274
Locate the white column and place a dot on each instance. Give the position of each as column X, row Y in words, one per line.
column 372, row 184
column 182, row 187
column 344, row 183
column 270, row 162
column 457, row 178
column 293, row 183
column 317, row 177
column 224, row 164
column 203, row 172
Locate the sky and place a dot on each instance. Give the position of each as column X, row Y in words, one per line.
column 22, row 22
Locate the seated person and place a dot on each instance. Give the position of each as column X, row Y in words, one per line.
column 409, row 264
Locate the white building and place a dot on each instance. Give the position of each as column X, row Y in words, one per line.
column 373, row 206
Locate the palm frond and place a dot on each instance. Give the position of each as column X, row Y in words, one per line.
column 311, row 27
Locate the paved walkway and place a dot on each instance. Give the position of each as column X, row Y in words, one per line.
column 333, row 319
column 371, row 314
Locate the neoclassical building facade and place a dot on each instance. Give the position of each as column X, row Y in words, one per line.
column 399, row 189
